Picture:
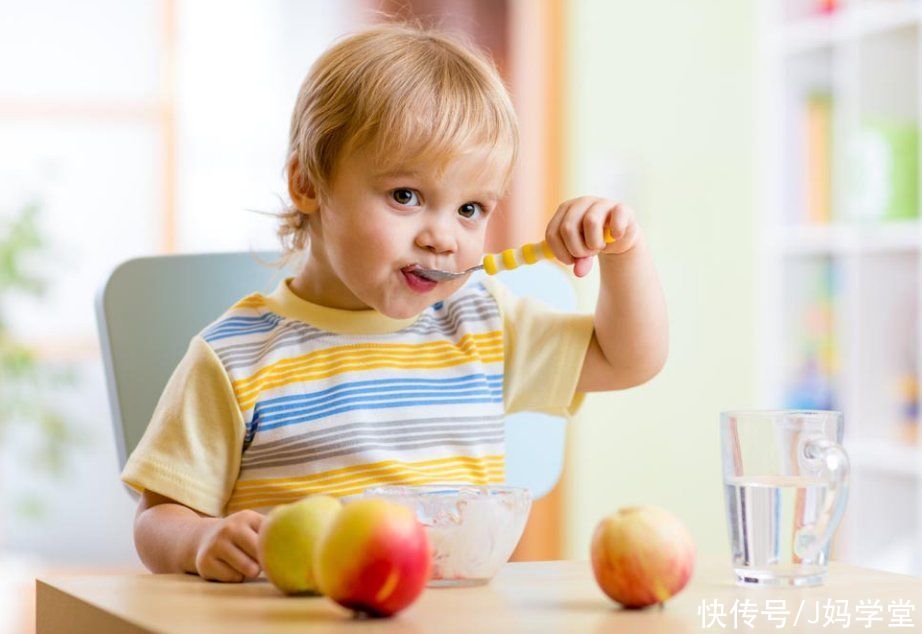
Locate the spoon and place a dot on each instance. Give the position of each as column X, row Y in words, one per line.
column 509, row 259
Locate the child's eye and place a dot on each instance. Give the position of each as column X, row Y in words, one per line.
column 405, row 196
column 469, row 209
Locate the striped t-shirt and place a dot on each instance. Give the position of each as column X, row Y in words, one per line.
column 281, row 398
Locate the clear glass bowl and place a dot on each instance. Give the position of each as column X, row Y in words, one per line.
column 472, row 529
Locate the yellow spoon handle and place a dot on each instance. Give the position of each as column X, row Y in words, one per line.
column 511, row 259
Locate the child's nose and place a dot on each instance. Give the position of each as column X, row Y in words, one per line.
column 437, row 238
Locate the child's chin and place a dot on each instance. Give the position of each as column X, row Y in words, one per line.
column 412, row 309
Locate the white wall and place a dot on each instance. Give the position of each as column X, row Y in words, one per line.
column 660, row 103
column 237, row 88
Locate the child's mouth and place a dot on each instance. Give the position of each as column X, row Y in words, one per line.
column 416, row 281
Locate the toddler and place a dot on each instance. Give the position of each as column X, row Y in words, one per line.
column 359, row 371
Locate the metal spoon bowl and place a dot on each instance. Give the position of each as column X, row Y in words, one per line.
column 437, row 275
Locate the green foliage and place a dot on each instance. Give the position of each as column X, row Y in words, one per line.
column 26, row 381
column 19, row 238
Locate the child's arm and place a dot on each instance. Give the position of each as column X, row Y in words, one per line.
column 171, row 537
column 631, row 338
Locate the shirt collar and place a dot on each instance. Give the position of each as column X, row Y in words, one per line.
column 283, row 301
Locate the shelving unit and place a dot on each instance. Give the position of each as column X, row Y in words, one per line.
column 840, row 248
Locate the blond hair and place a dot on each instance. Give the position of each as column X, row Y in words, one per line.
column 397, row 92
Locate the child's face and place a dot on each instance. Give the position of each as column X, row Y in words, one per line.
column 373, row 226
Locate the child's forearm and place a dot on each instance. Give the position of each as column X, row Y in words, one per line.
column 630, row 318
column 167, row 537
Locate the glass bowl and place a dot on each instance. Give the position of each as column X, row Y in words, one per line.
column 472, row 529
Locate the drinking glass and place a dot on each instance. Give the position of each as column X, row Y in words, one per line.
column 786, row 485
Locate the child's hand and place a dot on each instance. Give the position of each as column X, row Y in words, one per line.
column 576, row 233
column 227, row 551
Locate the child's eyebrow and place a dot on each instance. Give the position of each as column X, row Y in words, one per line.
column 397, row 174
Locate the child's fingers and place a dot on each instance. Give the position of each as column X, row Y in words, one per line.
column 214, row 569
column 239, row 560
column 594, row 224
column 248, row 521
column 552, row 235
column 571, row 229
column 247, row 541
column 630, row 233
column 582, row 267
column 255, row 520
column 577, row 230
column 625, row 241
column 621, row 221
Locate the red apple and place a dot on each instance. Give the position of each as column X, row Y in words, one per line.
column 642, row 555
column 374, row 557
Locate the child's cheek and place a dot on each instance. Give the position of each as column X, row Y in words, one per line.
column 371, row 230
column 380, row 240
column 473, row 251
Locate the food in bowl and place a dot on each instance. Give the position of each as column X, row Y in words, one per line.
column 472, row 529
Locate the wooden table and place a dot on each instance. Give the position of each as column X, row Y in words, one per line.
column 559, row 596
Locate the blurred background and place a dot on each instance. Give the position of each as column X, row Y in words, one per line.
column 770, row 148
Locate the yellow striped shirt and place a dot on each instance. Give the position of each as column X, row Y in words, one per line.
column 281, row 398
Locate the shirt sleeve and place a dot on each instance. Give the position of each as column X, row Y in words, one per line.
column 544, row 351
column 192, row 447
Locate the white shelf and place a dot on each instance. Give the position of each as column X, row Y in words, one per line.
column 868, row 56
column 825, row 31
column 887, row 237
column 885, row 456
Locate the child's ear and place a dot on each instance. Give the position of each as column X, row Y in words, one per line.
column 302, row 191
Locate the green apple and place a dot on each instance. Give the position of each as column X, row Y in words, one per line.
column 287, row 540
